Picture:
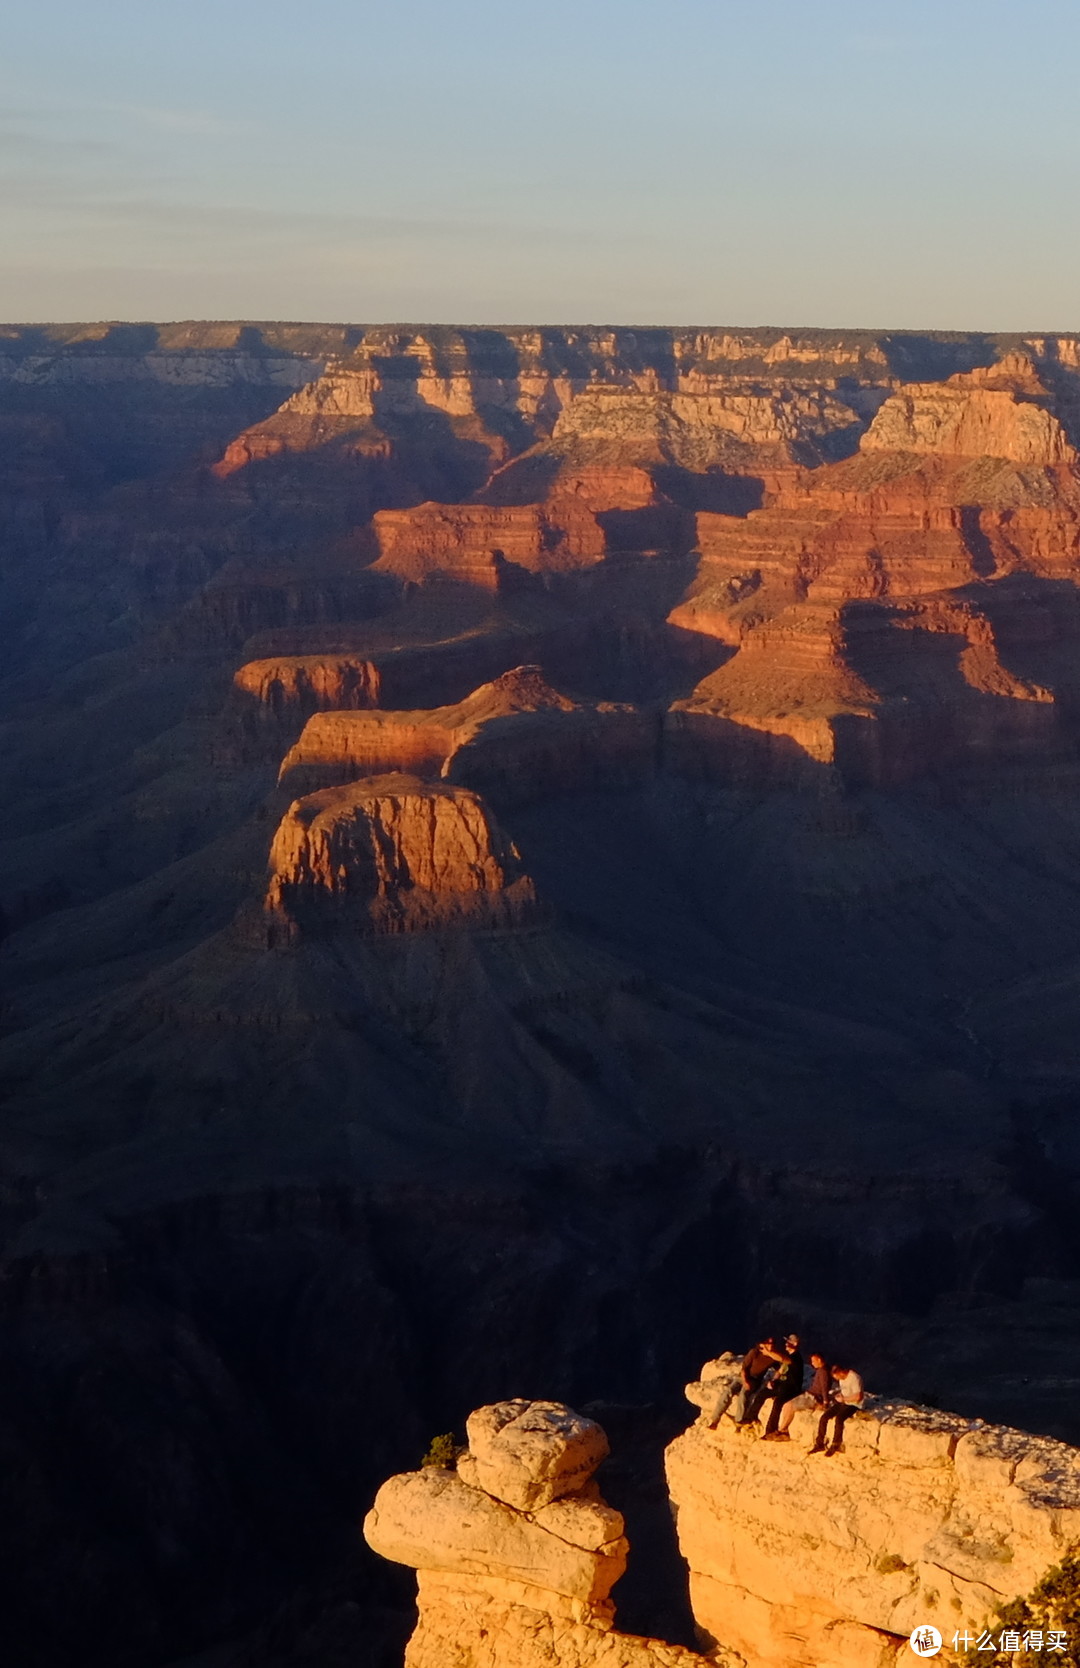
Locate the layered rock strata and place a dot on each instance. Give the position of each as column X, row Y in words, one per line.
column 517, row 1552
column 1002, row 411
column 871, row 603
column 587, row 514
column 516, row 737
column 758, row 1000
column 801, row 1560
column 698, row 395
column 392, row 854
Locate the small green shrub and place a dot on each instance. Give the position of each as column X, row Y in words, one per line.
column 890, row 1563
column 1051, row 1606
column 443, row 1451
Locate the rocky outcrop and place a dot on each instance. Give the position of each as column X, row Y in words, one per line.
column 882, row 692
column 802, row 1560
column 474, row 543
column 711, row 422
column 516, row 1550
column 1003, row 411
column 587, row 514
column 516, row 738
column 392, row 854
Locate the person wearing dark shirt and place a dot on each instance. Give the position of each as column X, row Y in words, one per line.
column 757, row 1364
column 786, row 1381
column 812, row 1400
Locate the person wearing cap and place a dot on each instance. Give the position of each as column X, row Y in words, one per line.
column 786, row 1381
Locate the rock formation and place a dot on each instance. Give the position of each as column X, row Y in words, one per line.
column 867, row 602
column 802, row 1560
column 998, row 412
column 393, row 854
column 517, row 738
column 516, row 1550
column 796, row 1560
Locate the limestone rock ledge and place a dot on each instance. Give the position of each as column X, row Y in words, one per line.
column 802, row 1560
column 516, row 1551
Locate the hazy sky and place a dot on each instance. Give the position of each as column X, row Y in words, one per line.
column 669, row 161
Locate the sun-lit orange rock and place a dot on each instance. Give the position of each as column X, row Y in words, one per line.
column 801, row 1560
column 509, row 1575
column 517, row 738
column 392, row 854
column 1002, row 411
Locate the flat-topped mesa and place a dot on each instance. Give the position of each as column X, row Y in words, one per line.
column 392, row 854
column 515, row 738
column 474, row 543
column 776, row 710
column 1001, row 411
column 581, row 515
column 516, row 1550
column 311, row 683
column 430, row 650
column 801, row 1560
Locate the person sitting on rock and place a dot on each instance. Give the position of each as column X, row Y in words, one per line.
column 757, row 1364
column 814, row 1399
column 786, row 1381
column 846, row 1397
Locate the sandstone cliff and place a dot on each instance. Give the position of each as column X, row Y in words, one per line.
column 999, row 412
column 867, row 601
column 516, row 1550
column 392, row 854
column 517, row 738
column 804, row 1560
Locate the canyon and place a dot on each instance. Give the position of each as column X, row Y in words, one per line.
column 528, row 851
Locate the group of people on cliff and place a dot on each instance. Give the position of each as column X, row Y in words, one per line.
column 773, row 1370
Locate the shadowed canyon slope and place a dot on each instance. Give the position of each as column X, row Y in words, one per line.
column 523, row 846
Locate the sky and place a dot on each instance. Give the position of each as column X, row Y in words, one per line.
column 745, row 162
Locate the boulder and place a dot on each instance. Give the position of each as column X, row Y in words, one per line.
column 531, row 1453
column 504, row 1587
column 431, row 1520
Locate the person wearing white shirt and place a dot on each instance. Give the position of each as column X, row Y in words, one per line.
column 846, row 1397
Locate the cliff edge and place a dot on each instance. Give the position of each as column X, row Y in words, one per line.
column 516, row 1550
column 801, row 1560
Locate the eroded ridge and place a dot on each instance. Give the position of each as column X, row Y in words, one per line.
column 516, row 737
